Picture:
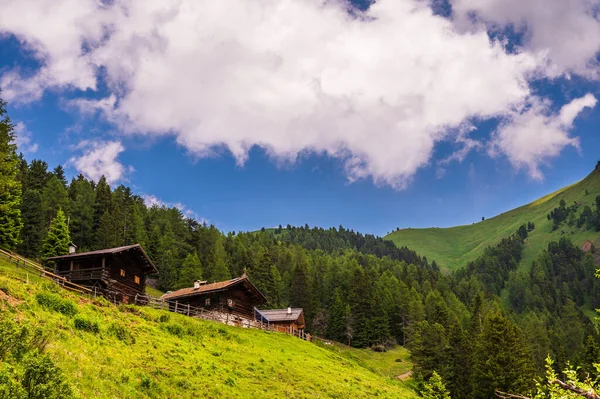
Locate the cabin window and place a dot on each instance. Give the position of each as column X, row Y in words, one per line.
column 230, row 302
column 207, row 302
column 137, row 279
column 122, row 273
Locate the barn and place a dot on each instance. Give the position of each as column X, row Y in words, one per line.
column 232, row 301
column 117, row 273
column 284, row 320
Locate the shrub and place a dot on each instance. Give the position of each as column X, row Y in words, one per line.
column 122, row 333
column 41, row 379
column 56, row 303
column 164, row 318
column 9, row 386
column 87, row 325
column 174, row 329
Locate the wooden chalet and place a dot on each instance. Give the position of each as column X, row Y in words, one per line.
column 285, row 320
column 234, row 300
column 118, row 273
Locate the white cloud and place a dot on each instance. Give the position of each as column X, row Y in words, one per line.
column 100, row 158
column 569, row 31
column 378, row 91
column 24, row 139
column 533, row 136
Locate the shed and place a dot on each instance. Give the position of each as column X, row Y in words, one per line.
column 287, row 320
column 236, row 297
column 119, row 273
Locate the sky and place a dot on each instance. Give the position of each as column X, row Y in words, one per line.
column 255, row 113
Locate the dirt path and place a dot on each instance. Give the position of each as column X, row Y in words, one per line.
column 405, row 376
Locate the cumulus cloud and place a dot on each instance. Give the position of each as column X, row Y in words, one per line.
column 100, row 158
column 377, row 90
column 24, row 138
column 568, row 31
column 533, row 136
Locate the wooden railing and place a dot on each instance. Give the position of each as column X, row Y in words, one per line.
column 38, row 270
column 85, row 274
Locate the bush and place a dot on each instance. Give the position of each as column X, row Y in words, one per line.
column 122, row 333
column 174, row 329
column 41, row 379
column 9, row 386
column 56, row 303
column 87, row 325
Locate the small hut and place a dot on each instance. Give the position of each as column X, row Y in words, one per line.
column 284, row 320
column 231, row 301
column 118, row 273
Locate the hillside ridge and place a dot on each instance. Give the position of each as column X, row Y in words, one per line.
column 454, row 247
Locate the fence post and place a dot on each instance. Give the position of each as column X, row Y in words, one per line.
column 175, row 306
column 188, row 309
column 135, row 299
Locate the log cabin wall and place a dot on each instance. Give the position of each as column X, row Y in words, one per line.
column 243, row 301
column 125, row 264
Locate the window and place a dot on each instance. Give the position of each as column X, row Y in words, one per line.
column 122, row 273
column 230, row 302
column 207, row 302
column 137, row 279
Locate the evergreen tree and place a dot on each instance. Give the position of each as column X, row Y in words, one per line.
column 10, row 187
column 337, row 320
column 33, row 224
column 37, row 176
column 59, row 172
column 82, row 212
column 434, row 388
column 54, row 197
column 501, row 359
column 103, row 200
column 300, row 290
column 221, row 271
column 57, row 240
column 191, row 270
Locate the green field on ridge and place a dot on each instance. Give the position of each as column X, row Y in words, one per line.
column 454, row 247
column 139, row 352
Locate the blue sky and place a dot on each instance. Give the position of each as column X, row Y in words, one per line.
column 391, row 132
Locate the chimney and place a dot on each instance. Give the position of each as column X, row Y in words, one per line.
column 289, row 310
column 196, row 284
column 72, row 248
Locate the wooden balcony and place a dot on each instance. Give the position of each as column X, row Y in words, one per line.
column 97, row 273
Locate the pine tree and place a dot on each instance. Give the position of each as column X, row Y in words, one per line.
column 501, row 359
column 103, row 201
column 33, row 224
column 221, row 271
column 82, row 212
column 337, row 318
column 54, row 197
column 59, row 172
column 434, row 388
column 57, row 240
column 191, row 270
column 10, row 187
column 300, row 291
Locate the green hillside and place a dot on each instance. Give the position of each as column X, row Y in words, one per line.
column 454, row 247
column 135, row 352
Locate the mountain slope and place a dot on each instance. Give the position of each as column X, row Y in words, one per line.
column 137, row 352
column 454, row 247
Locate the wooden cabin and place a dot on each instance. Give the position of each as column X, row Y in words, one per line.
column 117, row 273
column 233, row 300
column 284, row 320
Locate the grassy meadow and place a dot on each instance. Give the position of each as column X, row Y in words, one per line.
column 107, row 351
column 454, row 247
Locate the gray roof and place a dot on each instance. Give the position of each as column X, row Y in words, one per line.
column 110, row 251
column 274, row 315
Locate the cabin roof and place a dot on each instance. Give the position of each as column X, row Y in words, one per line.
column 111, row 251
column 275, row 315
column 215, row 287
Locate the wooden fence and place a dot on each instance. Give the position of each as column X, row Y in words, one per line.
column 38, row 270
column 27, row 266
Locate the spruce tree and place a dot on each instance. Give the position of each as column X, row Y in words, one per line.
column 57, row 240
column 10, row 187
column 221, row 271
column 337, row 318
column 82, row 212
column 434, row 388
column 54, row 197
column 59, row 172
column 191, row 270
column 33, row 224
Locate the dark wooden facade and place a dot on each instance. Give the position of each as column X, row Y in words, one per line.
column 284, row 320
column 236, row 297
column 118, row 273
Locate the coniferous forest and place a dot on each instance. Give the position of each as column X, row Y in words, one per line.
column 484, row 327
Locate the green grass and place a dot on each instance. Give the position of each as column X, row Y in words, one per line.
column 154, row 292
column 136, row 352
column 454, row 247
column 392, row 363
